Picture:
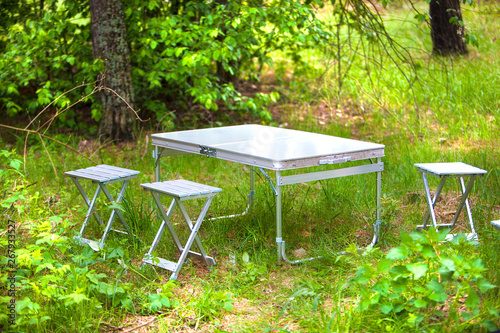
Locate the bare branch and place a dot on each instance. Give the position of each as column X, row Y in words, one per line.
column 45, row 137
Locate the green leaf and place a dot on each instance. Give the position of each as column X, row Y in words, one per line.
column 490, row 325
column 81, row 22
column 448, row 263
column 11, row 89
column 384, row 265
column 116, row 205
column 438, row 296
column 478, row 264
column 386, row 308
column 165, row 302
column 472, row 299
column 94, row 245
column 179, row 50
column 428, row 252
column 435, row 286
column 471, row 39
column 467, row 316
column 74, row 298
column 421, row 17
column 245, row 258
column 397, row 253
column 208, row 103
column 399, row 270
column 484, row 285
column 418, row 269
column 15, row 164
column 228, row 305
column 381, row 287
column 420, row 303
column 214, row 33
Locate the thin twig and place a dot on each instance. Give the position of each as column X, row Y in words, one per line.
column 46, row 137
column 124, row 101
column 142, row 325
column 48, row 154
column 49, row 122
column 45, row 108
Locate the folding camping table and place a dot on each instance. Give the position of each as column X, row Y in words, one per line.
column 279, row 150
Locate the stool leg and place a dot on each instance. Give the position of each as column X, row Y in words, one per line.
column 166, row 222
column 193, row 237
column 90, row 204
column 115, row 210
column 430, row 202
column 208, row 260
column 166, row 264
column 467, row 207
column 436, row 197
column 465, row 201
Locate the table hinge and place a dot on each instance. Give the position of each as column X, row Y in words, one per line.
column 209, row 152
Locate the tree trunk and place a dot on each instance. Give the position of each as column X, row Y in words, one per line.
column 447, row 37
column 109, row 42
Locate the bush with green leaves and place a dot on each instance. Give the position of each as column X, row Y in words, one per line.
column 427, row 281
column 185, row 55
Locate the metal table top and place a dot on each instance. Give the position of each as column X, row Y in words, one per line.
column 267, row 147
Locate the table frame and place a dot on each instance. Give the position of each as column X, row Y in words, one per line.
column 374, row 155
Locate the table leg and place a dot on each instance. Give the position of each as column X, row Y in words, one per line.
column 157, row 163
column 251, row 195
column 378, row 221
column 280, row 244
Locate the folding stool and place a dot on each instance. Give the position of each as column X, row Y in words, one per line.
column 102, row 175
column 444, row 171
column 180, row 190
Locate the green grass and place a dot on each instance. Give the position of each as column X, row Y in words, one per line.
column 457, row 120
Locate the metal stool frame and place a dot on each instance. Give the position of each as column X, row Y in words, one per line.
column 102, row 175
column 445, row 171
column 180, row 190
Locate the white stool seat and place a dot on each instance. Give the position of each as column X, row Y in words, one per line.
column 179, row 190
column 496, row 224
column 445, row 171
column 102, row 175
column 182, row 188
column 450, row 169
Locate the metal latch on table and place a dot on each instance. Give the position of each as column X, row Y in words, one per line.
column 209, row 152
column 335, row 160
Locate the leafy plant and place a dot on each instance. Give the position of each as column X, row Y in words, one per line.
column 426, row 280
column 10, row 175
column 211, row 305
